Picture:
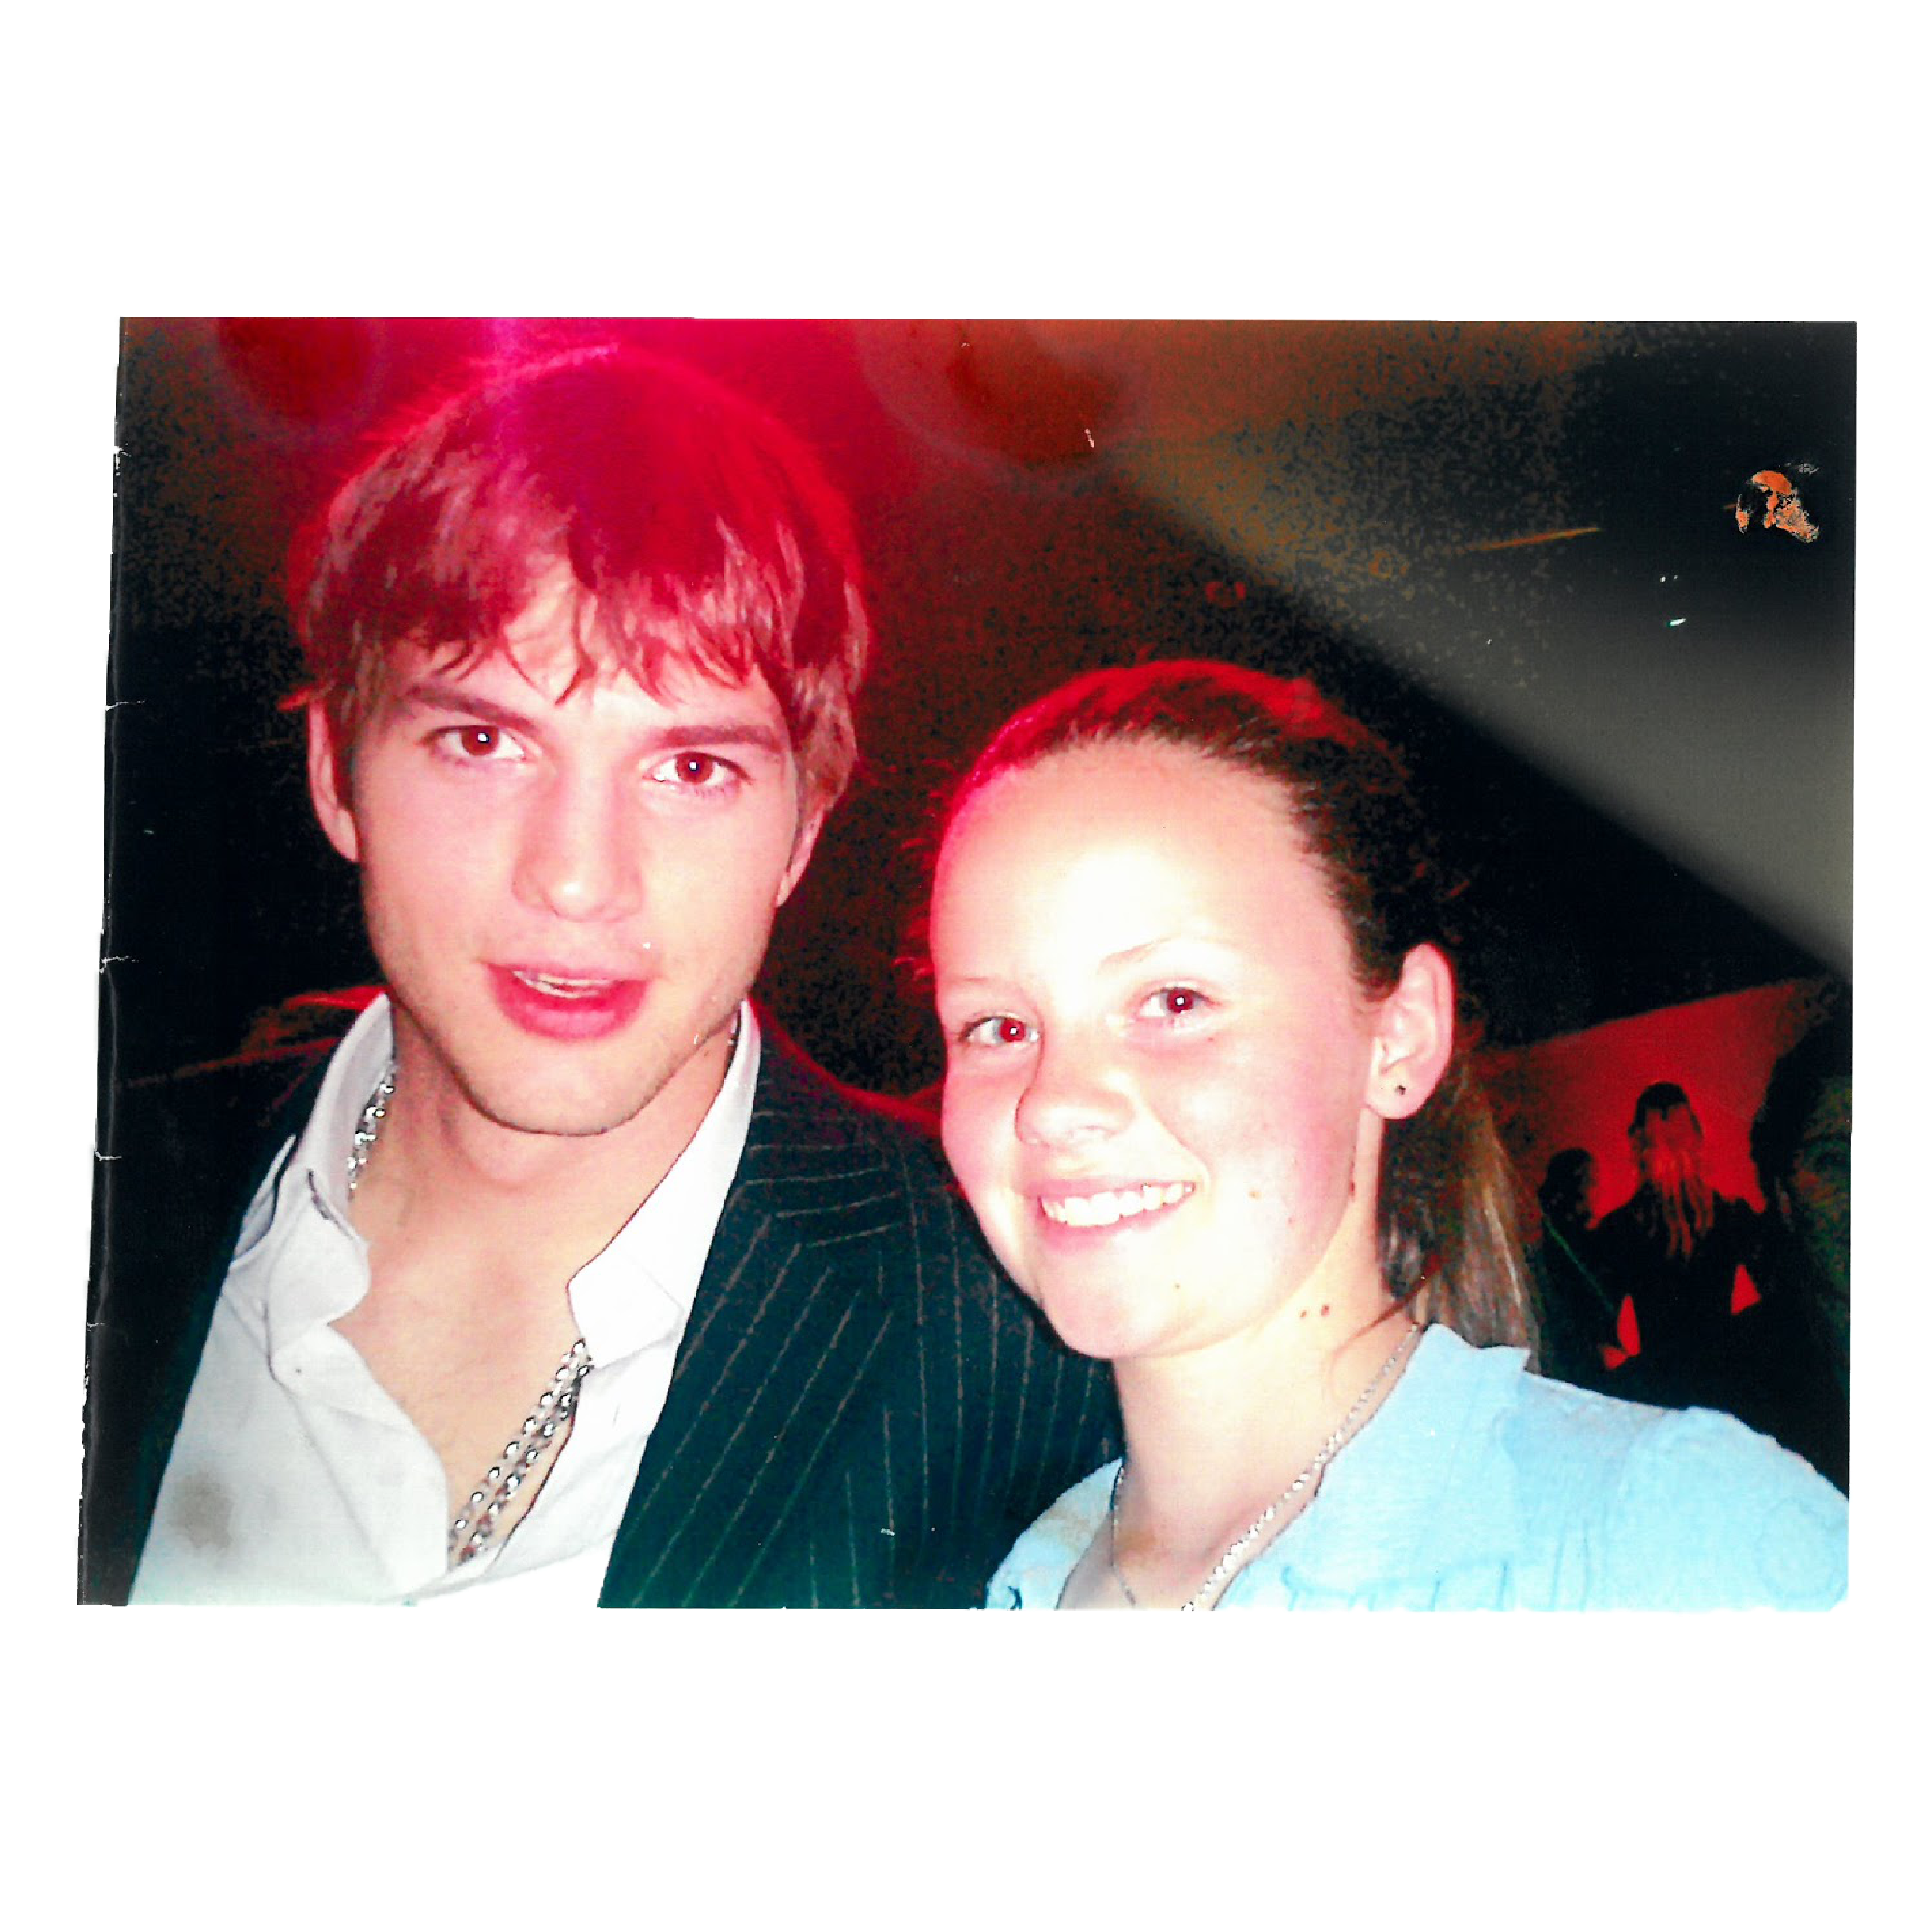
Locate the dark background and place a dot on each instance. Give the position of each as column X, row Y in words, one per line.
column 1638, row 736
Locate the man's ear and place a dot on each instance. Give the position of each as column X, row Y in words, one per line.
column 802, row 844
column 1415, row 1033
column 326, row 789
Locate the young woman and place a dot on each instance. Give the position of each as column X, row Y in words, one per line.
column 1206, row 1094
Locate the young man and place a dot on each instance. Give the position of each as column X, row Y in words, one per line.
column 564, row 1279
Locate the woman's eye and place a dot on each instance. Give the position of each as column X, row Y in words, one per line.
column 1174, row 1003
column 997, row 1030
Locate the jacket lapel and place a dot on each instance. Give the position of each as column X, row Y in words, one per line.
column 793, row 1317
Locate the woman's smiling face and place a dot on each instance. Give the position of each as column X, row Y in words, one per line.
column 1158, row 1056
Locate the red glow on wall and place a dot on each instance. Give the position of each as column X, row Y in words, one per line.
column 1579, row 1090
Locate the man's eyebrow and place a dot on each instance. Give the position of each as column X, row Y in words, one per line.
column 733, row 729
column 435, row 694
column 747, row 734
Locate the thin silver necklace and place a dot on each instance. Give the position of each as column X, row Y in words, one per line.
column 1237, row 1553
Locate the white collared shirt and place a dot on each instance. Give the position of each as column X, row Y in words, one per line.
column 296, row 1478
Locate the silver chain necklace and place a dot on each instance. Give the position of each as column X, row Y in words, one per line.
column 1237, row 1553
column 369, row 1126
column 542, row 1429
column 546, row 1425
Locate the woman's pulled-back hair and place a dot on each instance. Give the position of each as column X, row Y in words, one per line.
column 697, row 529
column 1447, row 1209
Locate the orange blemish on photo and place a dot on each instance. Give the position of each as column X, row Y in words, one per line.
column 1782, row 511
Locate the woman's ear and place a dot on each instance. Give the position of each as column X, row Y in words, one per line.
column 1415, row 1033
column 326, row 783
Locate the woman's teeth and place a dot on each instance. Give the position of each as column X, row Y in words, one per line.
column 1102, row 1210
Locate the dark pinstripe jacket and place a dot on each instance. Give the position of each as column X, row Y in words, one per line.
column 862, row 1411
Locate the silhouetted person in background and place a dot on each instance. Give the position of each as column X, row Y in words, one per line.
column 1681, row 1261
column 1802, row 1147
column 1576, row 1310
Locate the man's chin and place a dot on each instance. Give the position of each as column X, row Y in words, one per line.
column 588, row 1109
column 583, row 1093
column 564, row 1120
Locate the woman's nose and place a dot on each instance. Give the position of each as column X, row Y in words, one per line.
column 1075, row 1092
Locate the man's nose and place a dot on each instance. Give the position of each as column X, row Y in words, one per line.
column 582, row 850
column 1075, row 1091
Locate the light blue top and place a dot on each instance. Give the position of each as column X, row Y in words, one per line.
column 1478, row 1486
